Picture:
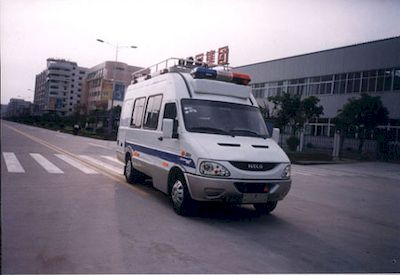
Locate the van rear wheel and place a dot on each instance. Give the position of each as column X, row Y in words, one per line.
column 265, row 208
column 180, row 196
column 128, row 171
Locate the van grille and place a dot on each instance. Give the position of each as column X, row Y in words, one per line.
column 253, row 166
column 252, row 187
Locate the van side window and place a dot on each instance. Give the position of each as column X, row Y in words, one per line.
column 170, row 110
column 137, row 112
column 152, row 112
column 126, row 113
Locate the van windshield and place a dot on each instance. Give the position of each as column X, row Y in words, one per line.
column 214, row 117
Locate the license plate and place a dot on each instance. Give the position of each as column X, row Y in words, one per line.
column 255, row 197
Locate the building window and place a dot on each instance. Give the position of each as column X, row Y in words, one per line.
column 319, row 85
column 388, row 80
column 258, row 90
column 396, row 79
column 353, row 82
column 340, row 84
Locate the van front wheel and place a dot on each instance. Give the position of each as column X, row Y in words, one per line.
column 181, row 200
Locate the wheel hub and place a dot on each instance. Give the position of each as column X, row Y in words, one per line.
column 177, row 193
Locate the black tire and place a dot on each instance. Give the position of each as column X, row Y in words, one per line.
column 182, row 202
column 131, row 174
column 265, row 208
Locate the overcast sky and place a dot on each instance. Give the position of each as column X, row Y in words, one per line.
column 254, row 30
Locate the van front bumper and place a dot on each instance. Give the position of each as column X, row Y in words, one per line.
column 236, row 190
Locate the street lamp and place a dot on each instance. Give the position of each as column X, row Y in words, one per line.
column 117, row 47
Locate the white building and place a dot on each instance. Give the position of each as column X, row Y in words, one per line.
column 334, row 76
column 59, row 88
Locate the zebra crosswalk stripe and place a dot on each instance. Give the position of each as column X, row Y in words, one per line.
column 12, row 163
column 76, row 164
column 113, row 159
column 101, row 163
column 47, row 165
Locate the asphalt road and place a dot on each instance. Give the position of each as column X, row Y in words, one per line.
column 70, row 213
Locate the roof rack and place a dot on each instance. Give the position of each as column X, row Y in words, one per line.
column 172, row 64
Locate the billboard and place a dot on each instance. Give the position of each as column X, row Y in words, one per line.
column 119, row 91
column 222, row 56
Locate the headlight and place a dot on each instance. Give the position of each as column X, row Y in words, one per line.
column 286, row 172
column 210, row 168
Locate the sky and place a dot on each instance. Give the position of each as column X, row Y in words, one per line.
column 254, row 30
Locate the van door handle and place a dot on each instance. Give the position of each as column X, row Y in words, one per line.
column 160, row 138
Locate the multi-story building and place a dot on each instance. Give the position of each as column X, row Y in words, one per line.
column 102, row 80
column 3, row 110
column 334, row 76
column 59, row 87
column 18, row 107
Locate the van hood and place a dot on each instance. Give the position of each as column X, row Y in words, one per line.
column 238, row 148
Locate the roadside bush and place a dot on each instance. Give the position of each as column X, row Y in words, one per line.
column 292, row 143
column 100, row 130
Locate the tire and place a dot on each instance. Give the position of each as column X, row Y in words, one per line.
column 265, row 208
column 180, row 196
column 131, row 174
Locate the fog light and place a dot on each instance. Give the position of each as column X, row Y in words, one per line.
column 213, row 192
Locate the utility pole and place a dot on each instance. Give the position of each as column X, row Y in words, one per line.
column 111, row 115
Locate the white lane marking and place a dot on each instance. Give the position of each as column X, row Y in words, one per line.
column 323, row 173
column 113, row 159
column 76, row 164
column 12, row 163
column 98, row 145
column 103, row 164
column 47, row 165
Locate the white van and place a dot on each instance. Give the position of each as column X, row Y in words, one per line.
column 198, row 133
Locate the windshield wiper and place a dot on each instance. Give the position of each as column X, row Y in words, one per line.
column 210, row 130
column 252, row 133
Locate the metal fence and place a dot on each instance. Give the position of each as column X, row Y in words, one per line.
column 372, row 148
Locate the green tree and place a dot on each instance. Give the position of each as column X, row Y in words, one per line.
column 361, row 116
column 293, row 111
column 265, row 113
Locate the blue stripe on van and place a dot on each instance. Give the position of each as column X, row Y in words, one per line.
column 162, row 155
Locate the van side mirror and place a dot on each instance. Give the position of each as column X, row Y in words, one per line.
column 276, row 132
column 170, row 128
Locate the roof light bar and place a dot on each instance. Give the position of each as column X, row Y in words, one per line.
column 242, row 79
column 201, row 73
